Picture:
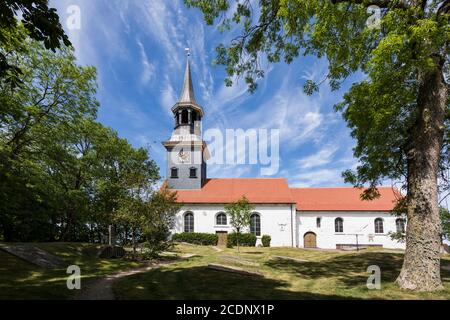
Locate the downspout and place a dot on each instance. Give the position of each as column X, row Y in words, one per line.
column 292, row 228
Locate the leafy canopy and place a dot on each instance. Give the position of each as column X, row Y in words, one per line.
column 412, row 37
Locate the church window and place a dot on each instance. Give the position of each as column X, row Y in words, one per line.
column 189, row 222
column 339, row 225
column 174, row 173
column 255, row 224
column 318, row 222
column 379, row 225
column 400, row 224
column 221, row 219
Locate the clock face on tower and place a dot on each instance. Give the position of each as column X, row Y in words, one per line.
column 184, row 157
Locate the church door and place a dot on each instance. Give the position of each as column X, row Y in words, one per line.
column 309, row 240
column 223, row 236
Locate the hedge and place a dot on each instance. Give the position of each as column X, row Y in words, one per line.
column 204, row 239
column 266, row 240
column 245, row 240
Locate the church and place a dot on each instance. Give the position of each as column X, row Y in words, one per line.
column 328, row 218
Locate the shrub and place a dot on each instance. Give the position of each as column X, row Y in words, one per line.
column 266, row 240
column 204, row 239
column 245, row 240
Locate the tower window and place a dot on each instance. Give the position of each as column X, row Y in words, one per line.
column 184, row 117
column 193, row 173
column 174, row 173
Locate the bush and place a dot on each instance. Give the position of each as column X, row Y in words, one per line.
column 266, row 240
column 204, row 239
column 245, row 240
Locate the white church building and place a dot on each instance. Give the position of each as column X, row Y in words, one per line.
column 328, row 218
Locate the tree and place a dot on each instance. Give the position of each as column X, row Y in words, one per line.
column 42, row 23
column 239, row 213
column 159, row 220
column 445, row 218
column 398, row 114
column 55, row 93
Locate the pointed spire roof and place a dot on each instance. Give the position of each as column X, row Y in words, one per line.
column 187, row 94
column 187, row 97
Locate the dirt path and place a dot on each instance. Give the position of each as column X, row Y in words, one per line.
column 102, row 289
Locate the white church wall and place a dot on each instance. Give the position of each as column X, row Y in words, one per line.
column 276, row 221
column 354, row 223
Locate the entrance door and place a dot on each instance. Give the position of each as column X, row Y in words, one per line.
column 223, row 236
column 309, row 240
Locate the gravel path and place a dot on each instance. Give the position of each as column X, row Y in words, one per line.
column 102, row 289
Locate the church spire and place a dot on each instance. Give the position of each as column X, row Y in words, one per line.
column 187, row 97
column 187, row 94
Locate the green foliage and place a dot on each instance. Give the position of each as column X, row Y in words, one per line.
column 241, row 239
column 445, row 219
column 239, row 213
column 380, row 110
column 64, row 176
column 266, row 240
column 204, row 239
column 42, row 24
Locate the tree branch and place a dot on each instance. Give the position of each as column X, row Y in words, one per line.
column 401, row 4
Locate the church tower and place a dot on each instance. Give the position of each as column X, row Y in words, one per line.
column 186, row 166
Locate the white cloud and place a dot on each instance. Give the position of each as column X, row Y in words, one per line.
column 148, row 69
column 322, row 157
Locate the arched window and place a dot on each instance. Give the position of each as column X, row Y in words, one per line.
column 255, row 224
column 174, row 173
column 400, row 224
column 189, row 222
column 379, row 225
column 184, row 117
column 193, row 173
column 221, row 219
column 339, row 225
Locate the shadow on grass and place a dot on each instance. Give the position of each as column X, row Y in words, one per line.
column 199, row 282
column 350, row 270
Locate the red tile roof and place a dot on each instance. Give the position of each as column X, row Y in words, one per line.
column 342, row 199
column 273, row 191
column 230, row 190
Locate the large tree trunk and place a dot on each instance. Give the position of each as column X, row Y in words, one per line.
column 421, row 265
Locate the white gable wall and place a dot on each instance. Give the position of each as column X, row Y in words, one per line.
column 275, row 221
column 354, row 222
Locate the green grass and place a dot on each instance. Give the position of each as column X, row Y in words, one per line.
column 326, row 275
column 22, row 280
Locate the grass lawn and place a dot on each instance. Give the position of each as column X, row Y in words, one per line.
column 325, row 275
column 22, row 280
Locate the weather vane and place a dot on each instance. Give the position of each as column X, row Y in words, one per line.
column 188, row 51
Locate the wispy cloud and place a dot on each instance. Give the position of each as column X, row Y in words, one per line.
column 148, row 69
column 322, row 157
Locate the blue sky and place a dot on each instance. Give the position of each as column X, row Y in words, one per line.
column 138, row 49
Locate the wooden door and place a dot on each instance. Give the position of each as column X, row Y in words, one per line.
column 309, row 240
column 223, row 236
